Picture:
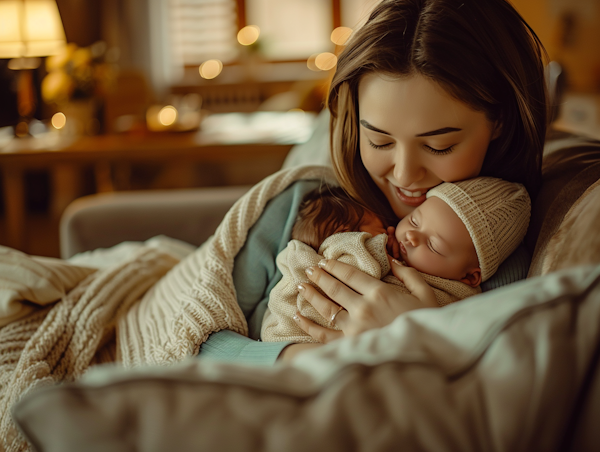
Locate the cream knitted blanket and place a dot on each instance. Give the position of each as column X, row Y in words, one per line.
column 358, row 249
column 57, row 319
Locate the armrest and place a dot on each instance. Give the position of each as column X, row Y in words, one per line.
column 105, row 220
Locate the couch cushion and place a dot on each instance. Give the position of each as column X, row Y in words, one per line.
column 570, row 168
column 498, row 371
column 577, row 240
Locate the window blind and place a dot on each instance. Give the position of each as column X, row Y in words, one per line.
column 203, row 29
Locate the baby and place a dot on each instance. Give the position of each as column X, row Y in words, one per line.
column 457, row 239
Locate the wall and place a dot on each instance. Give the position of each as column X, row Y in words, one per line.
column 570, row 30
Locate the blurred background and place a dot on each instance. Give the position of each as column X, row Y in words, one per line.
column 109, row 95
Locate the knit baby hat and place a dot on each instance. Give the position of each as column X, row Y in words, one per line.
column 495, row 212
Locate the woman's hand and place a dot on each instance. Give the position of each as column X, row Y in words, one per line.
column 366, row 302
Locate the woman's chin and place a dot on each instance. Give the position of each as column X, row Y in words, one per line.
column 401, row 209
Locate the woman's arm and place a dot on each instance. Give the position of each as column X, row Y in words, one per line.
column 254, row 275
column 366, row 302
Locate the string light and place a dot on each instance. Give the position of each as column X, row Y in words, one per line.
column 167, row 115
column 210, row 69
column 340, row 35
column 248, row 35
column 59, row 120
column 310, row 63
column 325, row 61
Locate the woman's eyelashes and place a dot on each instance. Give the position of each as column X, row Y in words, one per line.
column 379, row 146
column 435, row 151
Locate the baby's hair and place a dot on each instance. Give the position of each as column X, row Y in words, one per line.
column 325, row 211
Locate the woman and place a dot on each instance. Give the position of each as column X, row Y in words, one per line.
column 427, row 91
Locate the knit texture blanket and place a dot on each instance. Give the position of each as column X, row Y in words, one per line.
column 57, row 319
column 358, row 249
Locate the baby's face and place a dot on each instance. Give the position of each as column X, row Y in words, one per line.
column 434, row 240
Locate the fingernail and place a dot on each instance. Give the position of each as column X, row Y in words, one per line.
column 309, row 271
column 296, row 318
column 322, row 263
column 396, row 262
column 300, row 287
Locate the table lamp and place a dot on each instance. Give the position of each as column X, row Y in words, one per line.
column 29, row 29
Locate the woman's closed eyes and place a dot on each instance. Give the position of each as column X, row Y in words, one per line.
column 379, row 146
column 433, row 150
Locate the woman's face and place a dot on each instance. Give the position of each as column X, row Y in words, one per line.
column 414, row 136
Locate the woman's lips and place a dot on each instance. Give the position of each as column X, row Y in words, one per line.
column 408, row 197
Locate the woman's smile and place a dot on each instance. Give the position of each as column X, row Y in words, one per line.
column 413, row 198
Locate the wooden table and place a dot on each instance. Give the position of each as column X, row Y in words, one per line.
column 65, row 156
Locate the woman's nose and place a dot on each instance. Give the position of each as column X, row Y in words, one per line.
column 408, row 168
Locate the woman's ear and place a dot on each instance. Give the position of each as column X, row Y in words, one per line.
column 497, row 130
column 472, row 278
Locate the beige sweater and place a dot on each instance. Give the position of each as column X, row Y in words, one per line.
column 358, row 249
column 57, row 319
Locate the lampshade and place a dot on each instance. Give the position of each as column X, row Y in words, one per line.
column 30, row 28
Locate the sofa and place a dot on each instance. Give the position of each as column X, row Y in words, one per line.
column 516, row 368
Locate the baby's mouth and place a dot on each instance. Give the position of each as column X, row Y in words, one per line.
column 402, row 248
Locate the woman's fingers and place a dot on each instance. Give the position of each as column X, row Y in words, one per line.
column 319, row 333
column 415, row 283
column 329, row 282
column 322, row 304
column 368, row 302
column 342, row 282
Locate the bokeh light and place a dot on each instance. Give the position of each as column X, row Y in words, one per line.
column 167, row 115
column 325, row 61
column 311, row 63
column 248, row 35
column 210, row 69
column 59, row 120
column 340, row 35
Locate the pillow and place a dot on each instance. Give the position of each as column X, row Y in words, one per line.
column 577, row 240
column 569, row 170
column 498, row 371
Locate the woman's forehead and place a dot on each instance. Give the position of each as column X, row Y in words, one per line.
column 415, row 101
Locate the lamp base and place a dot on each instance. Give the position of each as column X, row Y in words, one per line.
column 18, row 64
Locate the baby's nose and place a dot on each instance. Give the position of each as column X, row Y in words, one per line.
column 412, row 237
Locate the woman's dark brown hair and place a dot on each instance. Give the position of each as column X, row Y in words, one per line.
column 324, row 212
column 481, row 52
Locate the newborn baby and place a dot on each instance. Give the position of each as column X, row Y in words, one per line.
column 457, row 239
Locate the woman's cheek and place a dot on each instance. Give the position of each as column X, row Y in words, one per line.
column 461, row 166
column 374, row 164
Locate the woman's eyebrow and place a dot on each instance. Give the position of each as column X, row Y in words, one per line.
column 438, row 132
column 373, row 128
